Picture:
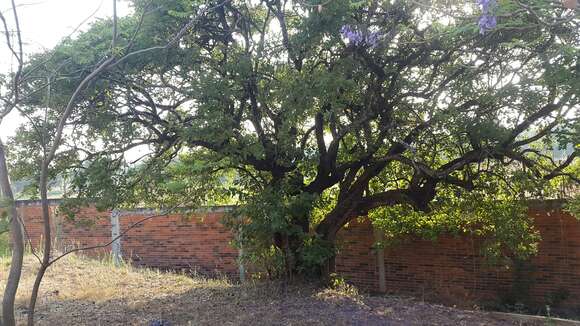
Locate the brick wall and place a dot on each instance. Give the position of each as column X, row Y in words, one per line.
column 450, row 270
column 91, row 228
column 199, row 242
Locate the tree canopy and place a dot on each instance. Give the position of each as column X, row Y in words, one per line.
column 308, row 115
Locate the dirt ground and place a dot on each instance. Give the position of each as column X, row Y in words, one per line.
column 80, row 291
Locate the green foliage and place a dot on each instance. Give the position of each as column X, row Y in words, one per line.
column 4, row 233
column 4, row 229
column 271, row 223
column 573, row 206
column 4, row 222
column 275, row 221
column 314, row 253
column 340, row 285
column 503, row 225
column 265, row 262
column 274, row 211
column 4, row 244
column 186, row 183
column 267, row 106
column 557, row 297
column 517, row 297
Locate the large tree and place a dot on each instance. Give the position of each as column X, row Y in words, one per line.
column 311, row 114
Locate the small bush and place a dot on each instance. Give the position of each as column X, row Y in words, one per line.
column 313, row 254
column 340, row 285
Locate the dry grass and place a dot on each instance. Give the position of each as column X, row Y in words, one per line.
column 81, row 291
column 4, row 247
column 79, row 280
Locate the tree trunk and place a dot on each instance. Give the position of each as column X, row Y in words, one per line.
column 329, row 267
column 289, row 259
column 47, row 241
column 17, row 237
column 328, row 230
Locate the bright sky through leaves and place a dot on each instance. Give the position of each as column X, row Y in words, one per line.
column 44, row 23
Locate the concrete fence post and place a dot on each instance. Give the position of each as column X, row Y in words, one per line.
column 115, row 232
column 380, row 250
column 57, row 222
column 241, row 267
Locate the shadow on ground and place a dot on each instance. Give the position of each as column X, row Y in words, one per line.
column 261, row 304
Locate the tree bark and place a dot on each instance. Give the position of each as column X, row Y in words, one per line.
column 50, row 151
column 17, row 237
column 47, row 241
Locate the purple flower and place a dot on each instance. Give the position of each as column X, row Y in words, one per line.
column 352, row 35
column 359, row 38
column 487, row 21
column 486, row 4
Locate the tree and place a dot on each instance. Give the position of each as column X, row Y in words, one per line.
column 9, row 99
column 311, row 114
column 49, row 127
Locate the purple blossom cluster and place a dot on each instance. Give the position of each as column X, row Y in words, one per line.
column 487, row 21
column 360, row 38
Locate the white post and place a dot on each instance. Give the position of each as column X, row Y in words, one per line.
column 57, row 220
column 241, row 267
column 115, row 232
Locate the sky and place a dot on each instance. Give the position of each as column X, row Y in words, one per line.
column 43, row 24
